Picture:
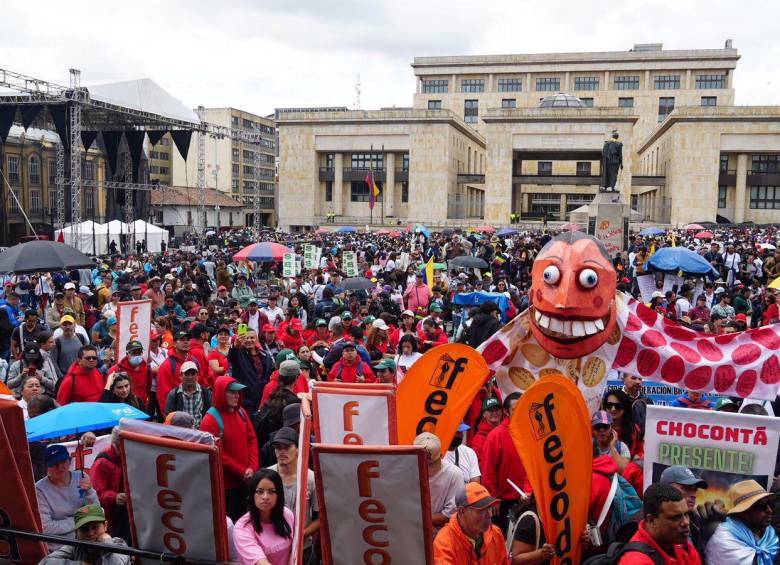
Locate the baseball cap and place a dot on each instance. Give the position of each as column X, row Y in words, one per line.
column 741, row 317
column 235, row 386
column 475, row 495
column 435, row 307
column 379, row 324
column 69, row 286
column 154, row 335
column 489, row 403
column 181, row 335
column 268, row 328
column 285, row 355
column 56, row 453
column 296, row 324
column 59, row 294
column 385, row 364
column 320, row 322
column 681, row 475
column 334, row 321
column 285, row 436
column 67, row 318
column 722, row 403
column 463, row 427
column 407, row 313
column 189, row 366
column 657, row 294
column 289, row 368
column 601, row 418
column 291, row 414
column 134, row 345
column 88, row 514
column 221, row 287
column 85, row 290
column 348, row 345
column 346, row 315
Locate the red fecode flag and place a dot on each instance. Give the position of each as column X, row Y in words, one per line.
column 551, row 430
column 18, row 504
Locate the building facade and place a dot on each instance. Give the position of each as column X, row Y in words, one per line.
column 176, row 207
column 241, row 170
column 540, row 122
column 160, row 157
column 31, row 172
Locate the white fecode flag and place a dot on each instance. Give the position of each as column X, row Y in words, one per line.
column 134, row 320
column 82, row 457
column 175, row 500
column 374, row 504
column 355, row 414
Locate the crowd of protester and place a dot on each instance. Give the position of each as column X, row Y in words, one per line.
column 235, row 345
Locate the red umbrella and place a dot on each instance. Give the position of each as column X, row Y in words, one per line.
column 704, row 235
column 693, row 227
column 323, row 230
column 485, row 229
column 264, row 252
column 571, row 226
column 395, row 234
column 383, row 231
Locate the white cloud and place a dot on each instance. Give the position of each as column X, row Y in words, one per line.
column 258, row 55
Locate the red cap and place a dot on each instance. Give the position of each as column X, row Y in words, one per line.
column 296, row 324
column 740, row 317
column 221, row 287
column 269, row 328
column 155, row 335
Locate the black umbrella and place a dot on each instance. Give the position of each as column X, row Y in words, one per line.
column 39, row 255
column 468, row 262
column 357, row 283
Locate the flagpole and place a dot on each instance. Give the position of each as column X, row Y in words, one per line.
column 382, row 211
column 370, row 186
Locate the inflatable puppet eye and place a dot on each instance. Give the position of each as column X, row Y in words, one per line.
column 588, row 278
column 552, row 275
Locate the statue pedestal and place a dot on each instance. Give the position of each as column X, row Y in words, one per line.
column 608, row 217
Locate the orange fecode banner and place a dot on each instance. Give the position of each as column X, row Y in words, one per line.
column 437, row 391
column 551, row 430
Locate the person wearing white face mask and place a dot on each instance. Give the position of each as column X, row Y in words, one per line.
column 137, row 368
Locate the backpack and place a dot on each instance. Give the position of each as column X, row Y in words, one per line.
column 218, row 417
column 625, row 507
column 359, row 370
column 617, row 550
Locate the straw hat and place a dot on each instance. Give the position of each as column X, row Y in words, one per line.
column 745, row 494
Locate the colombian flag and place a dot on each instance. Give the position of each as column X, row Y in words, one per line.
column 428, row 273
column 373, row 189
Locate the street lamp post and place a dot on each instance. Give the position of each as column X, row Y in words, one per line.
column 216, row 209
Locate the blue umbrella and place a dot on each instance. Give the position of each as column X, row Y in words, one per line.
column 80, row 417
column 346, row 229
column 506, row 231
column 652, row 231
column 681, row 259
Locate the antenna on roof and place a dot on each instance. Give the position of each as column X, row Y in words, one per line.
column 357, row 91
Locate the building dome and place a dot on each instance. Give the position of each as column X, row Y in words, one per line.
column 561, row 100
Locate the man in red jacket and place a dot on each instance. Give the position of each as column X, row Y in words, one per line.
column 238, row 444
column 107, row 480
column 83, row 382
column 492, row 414
column 137, row 368
column 351, row 368
column 169, row 373
column 431, row 335
column 502, row 464
column 664, row 532
column 199, row 336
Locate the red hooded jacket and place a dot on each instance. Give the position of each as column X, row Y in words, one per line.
column 439, row 338
column 80, row 385
column 479, row 440
column 198, row 354
column 106, row 477
column 238, row 443
column 290, row 341
column 168, row 379
column 349, row 373
column 140, row 377
column 502, row 462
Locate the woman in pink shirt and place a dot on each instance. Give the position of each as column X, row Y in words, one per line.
column 263, row 536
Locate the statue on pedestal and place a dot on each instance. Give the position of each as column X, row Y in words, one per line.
column 611, row 162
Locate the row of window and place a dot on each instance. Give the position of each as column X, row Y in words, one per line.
column 155, row 170
column 235, row 121
column 250, row 156
column 34, row 170
column 36, row 203
column 162, row 155
column 549, row 204
column 358, row 192
column 761, row 197
column 545, row 168
column 553, row 84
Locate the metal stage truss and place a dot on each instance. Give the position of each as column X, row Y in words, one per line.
column 88, row 113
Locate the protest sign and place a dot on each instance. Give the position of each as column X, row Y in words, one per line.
column 551, row 430
column 374, row 504
column 350, row 264
column 18, row 503
column 438, row 390
column 82, row 456
column 720, row 447
column 134, row 322
column 672, row 282
column 301, row 502
column 288, row 265
column 646, row 284
column 175, row 496
column 354, row 414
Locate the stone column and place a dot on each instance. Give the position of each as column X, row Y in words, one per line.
column 338, row 184
column 562, row 213
column 566, row 82
column 647, row 80
column 739, row 204
column 389, row 195
column 605, row 86
column 688, row 84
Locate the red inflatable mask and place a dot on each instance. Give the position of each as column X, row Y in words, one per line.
column 573, row 286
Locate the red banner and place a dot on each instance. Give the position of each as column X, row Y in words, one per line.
column 550, row 428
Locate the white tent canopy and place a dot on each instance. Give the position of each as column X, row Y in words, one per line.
column 90, row 232
column 153, row 235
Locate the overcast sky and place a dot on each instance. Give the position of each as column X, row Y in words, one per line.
column 259, row 55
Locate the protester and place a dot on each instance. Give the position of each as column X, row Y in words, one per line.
column 463, row 457
column 134, row 365
column 492, row 414
column 108, row 479
column 264, row 534
column 82, row 382
column 189, row 397
column 444, row 480
column 119, row 390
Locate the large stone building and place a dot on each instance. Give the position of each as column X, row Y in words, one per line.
column 236, row 168
column 496, row 136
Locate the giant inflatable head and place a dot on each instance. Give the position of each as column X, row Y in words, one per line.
column 573, row 286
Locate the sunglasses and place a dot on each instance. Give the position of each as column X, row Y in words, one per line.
column 614, row 406
column 90, row 358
